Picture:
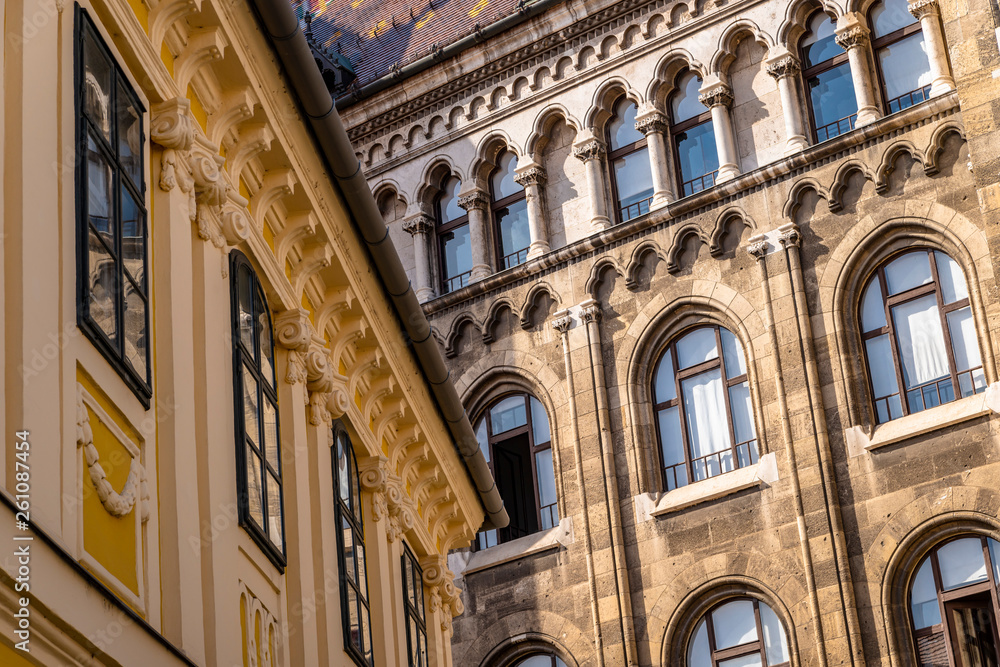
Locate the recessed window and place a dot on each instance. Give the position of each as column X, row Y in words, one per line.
column 514, row 437
column 413, row 603
column 112, row 280
column 693, row 137
column 903, row 67
column 257, row 453
column 704, row 417
column 739, row 633
column 352, row 557
column 510, row 213
column 454, row 241
column 953, row 603
column 827, row 74
column 919, row 334
column 631, row 177
column 540, row 660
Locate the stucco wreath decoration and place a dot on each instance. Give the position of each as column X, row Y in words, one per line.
column 117, row 504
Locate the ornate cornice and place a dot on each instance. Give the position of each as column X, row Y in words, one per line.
column 421, row 223
column 922, row 8
column 719, row 95
column 650, row 122
column 592, row 149
column 531, row 175
column 784, row 66
column 475, row 200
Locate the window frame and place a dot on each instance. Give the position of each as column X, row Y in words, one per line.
column 990, row 585
column 890, row 302
column 440, row 228
column 533, row 449
column 678, row 402
column 344, row 513
column 244, row 360
column 495, row 206
column 884, row 41
column 675, row 129
column 741, row 650
column 113, row 352
column 416, row 616
column 816, row 70
column 617, row 154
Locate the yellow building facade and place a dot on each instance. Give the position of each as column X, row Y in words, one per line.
column 229, row 436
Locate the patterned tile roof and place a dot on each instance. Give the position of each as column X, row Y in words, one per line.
column 376, row 35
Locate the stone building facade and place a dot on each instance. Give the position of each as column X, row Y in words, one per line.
column 826, row 530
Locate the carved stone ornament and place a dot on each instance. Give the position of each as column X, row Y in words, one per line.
column 172, row 127
column 789, row 235
column 758, row 249
column 373, row 475
column 562, row 324
column 421, row 223
column 293, row 331
column 319, row 382
column 922, row 8
column 784, row 66
column 720, row 95
column 855, row 36
column 475, row 200
column 261, row 626
column 589, row 150
column 532, row 175
column 211, row 191
column 652, row 122
column 236, row 223
column 591, row 313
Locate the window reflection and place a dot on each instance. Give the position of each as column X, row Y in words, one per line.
column 827, row 73
column 632, row 179
column 901, row 55
column 510, row 213
column 693, row 137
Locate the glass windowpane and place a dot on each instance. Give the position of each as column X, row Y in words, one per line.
column 271, row 450
column 546, row 478
column 100, row 195
column 881, row 366
column 664, row 387
column 671, row 443
column 961, row 563
column 102, row 286
column 734, row 624
column 503, row 181
column 621, row 129
column 354, row 622
column 820, row 45
column 831, row 94
column 889, row 16
column 456, row 253
column 539, row 422
column 699, row 652
column 904, row 273
column 921, row 341
column 964, row 342
column 274, row 512
column 343, row 470
column 872, row 307
column 775, row 643
column 697, row 152
column 130, row 136
column 97, row 75
column 952, row 280
column 245, row 289
column 250, row 408
column 685, row 103
column 512, row 228
column 255, row 487
column 905, row 67
column 994, row 547
column 732, row 353
column 350, row 555
column 135, row 329
column 696, row 347
column 483, row 439
column 739, row 402
column 266, row 347
column 752, row 660
column 508, row 414
column 133, row 239
column 923, row 598
column 633, row 178
column 450, row 210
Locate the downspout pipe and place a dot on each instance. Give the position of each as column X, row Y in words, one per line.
column 282, row 27
column 525, row 11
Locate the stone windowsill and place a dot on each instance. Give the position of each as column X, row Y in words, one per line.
column 466, row 562
column 764, row 472
column 910, row 426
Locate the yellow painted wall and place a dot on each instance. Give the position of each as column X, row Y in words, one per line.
column 11, row 657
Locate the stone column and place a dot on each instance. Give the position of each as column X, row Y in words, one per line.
column 531, row 177
column 421, row 228
column 928, row 13
column 476, row 202
column 719, row 98
column 852, row 36
column 654, row 125
column 591, row 152
column 784, row 68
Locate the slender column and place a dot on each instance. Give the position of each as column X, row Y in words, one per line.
column 719, row 98
column 928, row 13
column 852, row 36
column 531, row 177
column 591, row 153
column 476, row 202
column 784, row 69
column 654, row 125
column 420, row 227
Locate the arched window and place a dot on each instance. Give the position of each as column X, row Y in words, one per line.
column 540, row 660
column 510, row 213
column 739, row 633
column 454, row 242
column 704, row 419
column 903, row 68
column 693, row 137
column 258, row 457
column 515, row 439
column 954, row 603
column 631, row 177
column 355, row 612
column 827, row 73
column 919, row 334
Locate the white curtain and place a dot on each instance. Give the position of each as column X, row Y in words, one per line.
column 705, row 413
column 921, row 341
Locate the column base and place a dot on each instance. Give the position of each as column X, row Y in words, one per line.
column 600, row 222
column 727, row 172
column 867, row 116
column 660, row 200
column 424, row 294
column 537, row 249
column 796, row 144
column 941, row 86
column 480, row 272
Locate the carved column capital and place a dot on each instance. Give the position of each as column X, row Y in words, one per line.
column 789, row 235
column 474, row 200
column 922, row 8
column 758, row 248
column 718, row 95
column 592, row 149
column 787, row 65
column 421, row 223
column 853, row 36
column 562, row 324
column 531, row 174
column 652, row 121
column 591, row 312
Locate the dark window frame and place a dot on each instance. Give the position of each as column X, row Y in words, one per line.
column 706, row 180
column 554, row 659
column 504, row 534
column 749, row 648
column 440, row 228
column 885, row 41
column 416, row 618
column 816, row 70
column 888, row 303
column 678, row 402
column 249, row 360
column 954, row 595
column 641, row 207
column 352, row 513
column 496, row 205
column 112, row 351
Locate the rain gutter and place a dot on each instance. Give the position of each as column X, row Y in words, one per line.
column 282, row 26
